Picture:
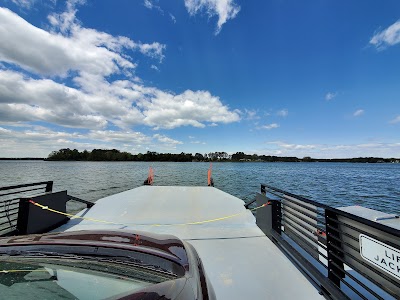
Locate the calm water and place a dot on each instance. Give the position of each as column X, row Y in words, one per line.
column 336, row 184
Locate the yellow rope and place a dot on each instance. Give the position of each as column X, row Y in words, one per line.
column 177, row 224
column 107, row 222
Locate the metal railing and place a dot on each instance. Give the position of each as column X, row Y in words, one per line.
column 9, row 202
column 327, row 244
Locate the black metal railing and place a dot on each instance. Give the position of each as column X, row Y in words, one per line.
column 10, row 203
column 326, row 244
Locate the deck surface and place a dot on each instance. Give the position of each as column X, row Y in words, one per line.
column 241, row 262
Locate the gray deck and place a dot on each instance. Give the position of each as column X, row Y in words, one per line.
column 240, row 260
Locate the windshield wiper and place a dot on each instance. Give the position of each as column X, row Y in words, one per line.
column 35, row 253
column 130, row 260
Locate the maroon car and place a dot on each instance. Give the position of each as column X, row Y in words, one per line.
column 101, row 265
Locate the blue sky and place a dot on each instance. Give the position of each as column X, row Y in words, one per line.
column 275, row 77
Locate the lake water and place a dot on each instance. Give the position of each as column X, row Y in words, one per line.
column 336, row 184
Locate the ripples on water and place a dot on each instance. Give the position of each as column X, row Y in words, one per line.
column 336, row 184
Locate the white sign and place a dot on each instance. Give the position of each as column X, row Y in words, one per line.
column 380, row 255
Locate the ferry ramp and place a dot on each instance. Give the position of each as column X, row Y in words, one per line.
column 241, row 262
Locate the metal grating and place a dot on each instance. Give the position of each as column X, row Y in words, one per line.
column 325, row 243
column 9, row 202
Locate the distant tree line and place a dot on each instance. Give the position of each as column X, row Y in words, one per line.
column 116, row 155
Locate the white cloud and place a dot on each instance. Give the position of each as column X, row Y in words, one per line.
column 395, row 120
column 121, row 137
column 24, row 3
column 250, row 114
column 40, row 141
column 288, row 146
column 331, row 151
column 150, row 5
column 329, row 96
column 26, row 99
column 198, row 142
column 283, row 113
column 123, row 103
column 269, row 126
column 166, row 110
column 358, row 113
column 172, row 18
column 387, row 37
column 23, row 113
column 166, row 140
column 155, row 68
column 95, row 101
column 66, row 20
column 224, row 9
column 154, row 50
column 73, row 48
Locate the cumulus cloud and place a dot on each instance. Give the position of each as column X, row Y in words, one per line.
column 72, row 48
column 329, row 96
column 119, row 137
column 26, row 99
column 223, row 9
column 387, row 37
column 23, row 113
column 194, row 108
column 358, row 113
column 269, row 126
column 41, row 141
column 154, row 50
column 123, row 103
column 48, row 53
column 88, row 58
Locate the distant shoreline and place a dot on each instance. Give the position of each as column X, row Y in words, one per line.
column 333, row 160
column 116, row 155
column 22, row 158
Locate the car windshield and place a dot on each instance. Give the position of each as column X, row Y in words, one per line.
column 50, row 278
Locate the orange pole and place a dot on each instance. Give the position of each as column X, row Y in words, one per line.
column 209, row 175
column 151, row 176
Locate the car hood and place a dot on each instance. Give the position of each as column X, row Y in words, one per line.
column 165, row 246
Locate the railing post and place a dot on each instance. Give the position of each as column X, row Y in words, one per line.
column 263, row 189
column 335, row 265
column 49, row 187
column 264, row 215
